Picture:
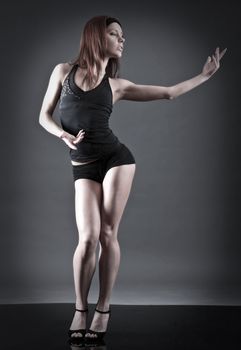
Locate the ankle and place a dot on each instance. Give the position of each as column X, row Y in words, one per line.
column 103, row 306
column 81, row 306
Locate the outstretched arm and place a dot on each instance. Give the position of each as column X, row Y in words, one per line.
column 135, row 92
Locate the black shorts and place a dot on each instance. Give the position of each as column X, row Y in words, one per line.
column 97, row 169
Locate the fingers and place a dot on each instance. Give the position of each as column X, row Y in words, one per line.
column 215, row 60
column 79, row 136
column 70, row 144
column 216, row 57
column 208, row 59
column 222, row 53
column 218, row 54
column 70, row 140
column 79, row 132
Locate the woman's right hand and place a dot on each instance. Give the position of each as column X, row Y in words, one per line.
column 71, row 140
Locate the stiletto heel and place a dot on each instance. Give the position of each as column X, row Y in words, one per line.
column 99, row 335
column 82, row 331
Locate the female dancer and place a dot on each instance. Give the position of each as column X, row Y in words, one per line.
column 103, row 167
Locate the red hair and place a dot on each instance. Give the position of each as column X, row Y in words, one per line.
column 92, row 49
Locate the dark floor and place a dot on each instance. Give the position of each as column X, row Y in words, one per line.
column 44, row 326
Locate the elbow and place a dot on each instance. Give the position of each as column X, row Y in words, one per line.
column 43, row 117
column 41, row 120
column 170, row 93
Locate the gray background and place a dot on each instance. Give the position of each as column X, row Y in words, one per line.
column 180, row 233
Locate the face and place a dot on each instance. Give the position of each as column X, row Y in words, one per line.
column 115, row 40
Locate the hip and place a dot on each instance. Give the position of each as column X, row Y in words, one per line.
column 89, row 152
column 119, row 152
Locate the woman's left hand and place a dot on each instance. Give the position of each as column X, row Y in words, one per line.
column 212, row 65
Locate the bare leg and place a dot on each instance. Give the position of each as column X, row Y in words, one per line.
column 116, row 189
column 88, row 195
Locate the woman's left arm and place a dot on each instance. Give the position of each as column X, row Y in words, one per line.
column 134, row 92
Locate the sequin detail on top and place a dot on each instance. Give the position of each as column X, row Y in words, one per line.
column 66, row 91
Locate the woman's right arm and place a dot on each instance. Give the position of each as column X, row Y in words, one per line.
column 49, row 103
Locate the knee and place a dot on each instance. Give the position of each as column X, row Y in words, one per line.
column 108, row 234
column 87, row 247
column 88, row 244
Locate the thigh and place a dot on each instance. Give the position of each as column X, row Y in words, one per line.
column 88, row 197
column 116, row 189
column 90, row 170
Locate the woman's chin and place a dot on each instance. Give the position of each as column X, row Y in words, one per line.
column 117, row 54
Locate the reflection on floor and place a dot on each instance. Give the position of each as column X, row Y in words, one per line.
column 45, row 326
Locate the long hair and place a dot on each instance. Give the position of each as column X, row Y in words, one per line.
column 92, row 50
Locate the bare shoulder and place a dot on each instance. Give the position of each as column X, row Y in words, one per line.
column 61, row 70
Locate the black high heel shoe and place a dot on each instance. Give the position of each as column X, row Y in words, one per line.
column 99, row 335
column 80, row 330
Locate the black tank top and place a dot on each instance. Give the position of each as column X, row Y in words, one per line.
column 89, row 110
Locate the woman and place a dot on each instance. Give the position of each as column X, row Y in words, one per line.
column 103, row 167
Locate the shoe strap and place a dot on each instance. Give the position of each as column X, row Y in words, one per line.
column 81, row 310
column 103, row 312
column 94, row 332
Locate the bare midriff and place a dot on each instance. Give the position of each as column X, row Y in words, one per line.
column 77, row 163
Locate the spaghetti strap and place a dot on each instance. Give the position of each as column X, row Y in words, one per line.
column 68, row 75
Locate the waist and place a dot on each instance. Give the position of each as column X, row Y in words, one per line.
column 87, row 151
column 104, row 135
